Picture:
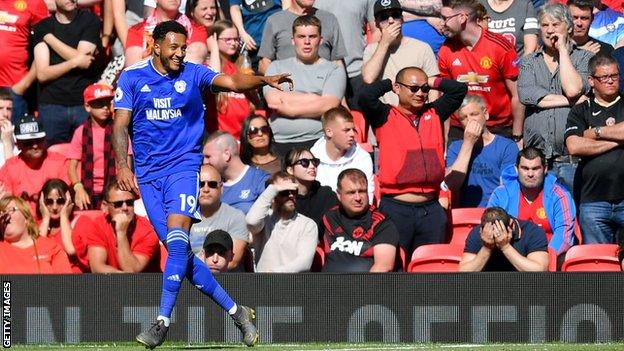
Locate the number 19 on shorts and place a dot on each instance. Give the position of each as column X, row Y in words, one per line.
column 187, row 203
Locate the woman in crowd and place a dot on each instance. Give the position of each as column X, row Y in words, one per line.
column 313, row 200
column 202, row 12
column 256, row 144
column 57, row 222
column 229, row 108
column 22, row 249
column 516, row 20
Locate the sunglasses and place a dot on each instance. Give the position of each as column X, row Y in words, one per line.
column 50, row 201
column 384, row 16
column 118, row 204
column 415, row 88
column 285, row 193
column 212, row 184
column 257, row 130
column 305, row 162
column 32, row 142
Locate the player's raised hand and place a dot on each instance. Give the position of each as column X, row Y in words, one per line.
column 127, row 181
column 276, row 80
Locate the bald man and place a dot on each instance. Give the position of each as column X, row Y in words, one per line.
column 242, row 184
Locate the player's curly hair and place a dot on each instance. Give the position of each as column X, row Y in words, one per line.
column 163, row 28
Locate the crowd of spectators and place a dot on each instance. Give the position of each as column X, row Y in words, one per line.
column 401, row 111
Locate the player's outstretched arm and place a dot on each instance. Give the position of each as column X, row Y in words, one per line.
column 242, row 82
column 125, row 176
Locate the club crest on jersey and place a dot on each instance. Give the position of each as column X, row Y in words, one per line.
column 485, row 62
column 610, row 121
column 20, row 5
column 180, row 86
column 244, row 194
column 118, row 94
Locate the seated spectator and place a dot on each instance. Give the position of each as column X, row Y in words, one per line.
column 284, row 240
column 242, row 183
column 217, row 251
column 118, row 241
column 474, row 165
column 216, row 215
column 58, row 222
column 24, row 175
column 257, row 146
column 91, row 149
column 22, row 249
column 530, row 193
column 226, row 111
column 313, row 199
column 504, row 243
column 7, row 147
column 357, row 238
column 319, row 85
column 337, row 149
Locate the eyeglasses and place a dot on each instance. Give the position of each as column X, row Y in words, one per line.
column 285, row 193
column 212, row 184
column 305, row 162
column 604, row 79
column 415, row 88
column 385, row 16
column 230, row 40
column 100, row 103
column 446, row 19
column 253, row 131
column 50, row 201
column 118, row 204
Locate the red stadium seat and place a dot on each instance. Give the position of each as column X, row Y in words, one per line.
column 62, row 149
column 592, row 258
column 463, row 220
column 319, row 260
column 552, row 260
column 436, row 258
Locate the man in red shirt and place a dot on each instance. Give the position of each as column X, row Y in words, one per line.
column 487, row 62
column 119, row 241
column 17, row 19
column 24, row 175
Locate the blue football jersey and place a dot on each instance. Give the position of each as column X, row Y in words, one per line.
column 167, row 117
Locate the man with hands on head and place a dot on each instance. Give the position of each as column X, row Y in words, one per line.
column 504, row 243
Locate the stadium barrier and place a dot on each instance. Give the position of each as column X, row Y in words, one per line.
column 474, row 308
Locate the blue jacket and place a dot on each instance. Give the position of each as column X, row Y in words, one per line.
column 558, row 205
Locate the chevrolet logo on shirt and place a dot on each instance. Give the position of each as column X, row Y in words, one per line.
column 472, row 78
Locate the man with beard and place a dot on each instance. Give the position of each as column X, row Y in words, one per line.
column 530, row 193
column 284, row 240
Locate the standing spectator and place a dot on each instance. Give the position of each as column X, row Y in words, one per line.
column 257, row 146
column 91, row 149
column 551, row 81
column 216, row 215
column 22, row 249
column 243, row 183
column 140, row 44
column 582, row 13
column 393, row 52
column 65, row 48
column 337, row 150
column 515, row 20
column 7, row 146
column 313, row 199
column 487, row 63
column 475, row 164
column 285, row 240
column 217, row 251
column 118, row 240
column 23, row 176
column 421, row 20
column 357, row 238
column 411, row 151
column 278, row 39
column 504, row 243
column 319, row 85
column 607, row 25
column 250, row 16
column 529, row 193
column 18, row 21
column 355, row 16
column 594, row 132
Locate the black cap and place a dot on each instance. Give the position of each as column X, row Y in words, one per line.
column 29, row 128
column 384, row 5
column 219, row 237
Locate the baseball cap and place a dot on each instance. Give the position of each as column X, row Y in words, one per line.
column 98, row 91
column 384, row 5
column 29, row 128
column 219, row 237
